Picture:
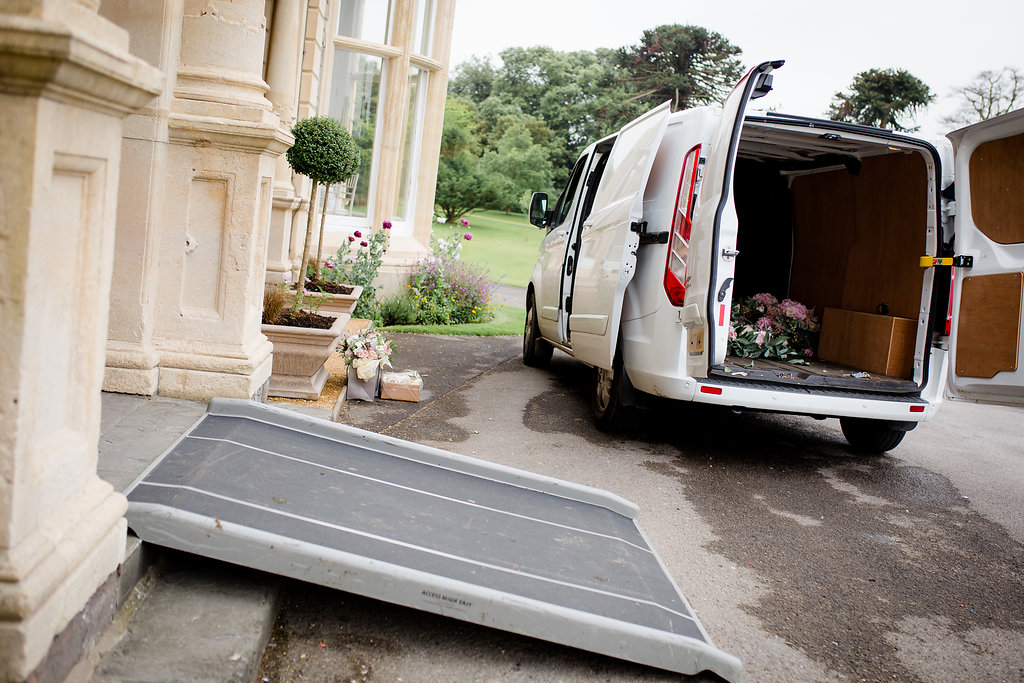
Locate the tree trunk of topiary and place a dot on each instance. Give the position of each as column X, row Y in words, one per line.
column 320, row 241
column 300, row 286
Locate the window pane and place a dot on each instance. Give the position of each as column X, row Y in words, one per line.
column 355, row 95
column 408, row 162
column 424, row 29
column 365, row 19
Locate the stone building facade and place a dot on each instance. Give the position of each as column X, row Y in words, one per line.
column 144, row 202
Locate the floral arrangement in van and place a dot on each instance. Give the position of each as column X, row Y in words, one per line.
column 764, row 327
column 366, row 351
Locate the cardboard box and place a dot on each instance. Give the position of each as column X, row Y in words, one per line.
column 880, row 344
column 401, row 386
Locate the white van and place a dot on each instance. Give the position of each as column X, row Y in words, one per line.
column 664, row 225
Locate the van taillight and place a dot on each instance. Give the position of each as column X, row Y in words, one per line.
column 679, row 238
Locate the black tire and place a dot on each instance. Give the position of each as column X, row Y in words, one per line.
column 871, row 436
column 536, row 351
column 606, row 401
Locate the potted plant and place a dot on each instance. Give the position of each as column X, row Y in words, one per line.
column 303, row 341
column 365, row 352
column 324, row 152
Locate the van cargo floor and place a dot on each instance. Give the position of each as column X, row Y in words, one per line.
column 815, row 373
column 393, row 520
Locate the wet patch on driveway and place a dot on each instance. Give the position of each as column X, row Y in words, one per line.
column 867, row 561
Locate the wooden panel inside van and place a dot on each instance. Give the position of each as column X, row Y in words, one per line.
column 997, row 200
column 858, row 238
column 989, row 324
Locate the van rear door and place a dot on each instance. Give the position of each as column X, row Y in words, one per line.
column 611, row 234
column 715, row 223
column 986, row 345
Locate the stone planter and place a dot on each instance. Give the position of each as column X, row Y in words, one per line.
column 299, row 357
column 338, row 304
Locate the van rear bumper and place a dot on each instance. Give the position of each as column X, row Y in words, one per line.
column 871, row 406
column 748, row 395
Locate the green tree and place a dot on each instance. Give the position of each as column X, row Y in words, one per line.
column 881, row 97
column 461, row 183
column 473, row 79
column 689, row 65
column 324, row 152
column 519, row 164
column 990, row 94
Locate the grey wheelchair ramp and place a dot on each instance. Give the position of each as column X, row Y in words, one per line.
column 416, row 526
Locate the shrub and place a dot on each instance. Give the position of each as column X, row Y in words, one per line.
column 356, row 263
column 399, row 310
column 447, row 291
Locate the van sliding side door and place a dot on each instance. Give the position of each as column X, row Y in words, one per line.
column 609, row 239
column 987, row 346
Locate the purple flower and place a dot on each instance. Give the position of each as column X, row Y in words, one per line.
column 357, row 233
column 363, row 244
column 351, row 238
column 329, row 265
column 468, row 236
column 386, row 225
column 464, row 222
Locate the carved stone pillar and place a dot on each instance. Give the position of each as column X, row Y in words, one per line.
column 132, row 359
column 66, row 82
column 286, row 38
column 224, row 140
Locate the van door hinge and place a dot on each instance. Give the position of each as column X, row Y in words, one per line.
column 955, row 261
column 639, row 227
column 730, row 254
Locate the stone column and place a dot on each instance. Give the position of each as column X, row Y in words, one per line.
column 66, row 82
column 286, row 39
column 132, row 359
column 224, row 140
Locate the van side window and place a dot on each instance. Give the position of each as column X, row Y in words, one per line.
column 565, row 200
column 593, row 180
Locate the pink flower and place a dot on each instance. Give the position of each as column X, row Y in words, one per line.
column 351, row 238
column 357, row 233
column 765, row 299
column 468, row 236
column 464, row 222
column 363, row 244
column 386, row 225
column 763, row 323
column 759, row 338
column 808, row 352
column 329, row 265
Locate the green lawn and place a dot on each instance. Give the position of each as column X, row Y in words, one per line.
column 508, row 321
column 505, row 243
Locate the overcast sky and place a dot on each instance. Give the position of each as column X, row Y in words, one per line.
column 825, row 43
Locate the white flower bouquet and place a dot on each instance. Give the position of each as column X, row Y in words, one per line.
column 366, row 352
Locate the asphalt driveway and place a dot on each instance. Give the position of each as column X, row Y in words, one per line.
column 802, row 559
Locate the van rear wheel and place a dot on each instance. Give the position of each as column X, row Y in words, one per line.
column 536, row 351
column 606, row 400
column 871, row 436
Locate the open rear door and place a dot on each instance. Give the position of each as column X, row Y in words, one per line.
column 611, row 234
column 986, row 348
column 716, row 204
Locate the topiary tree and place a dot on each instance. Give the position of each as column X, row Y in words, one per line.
column 324, row 152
